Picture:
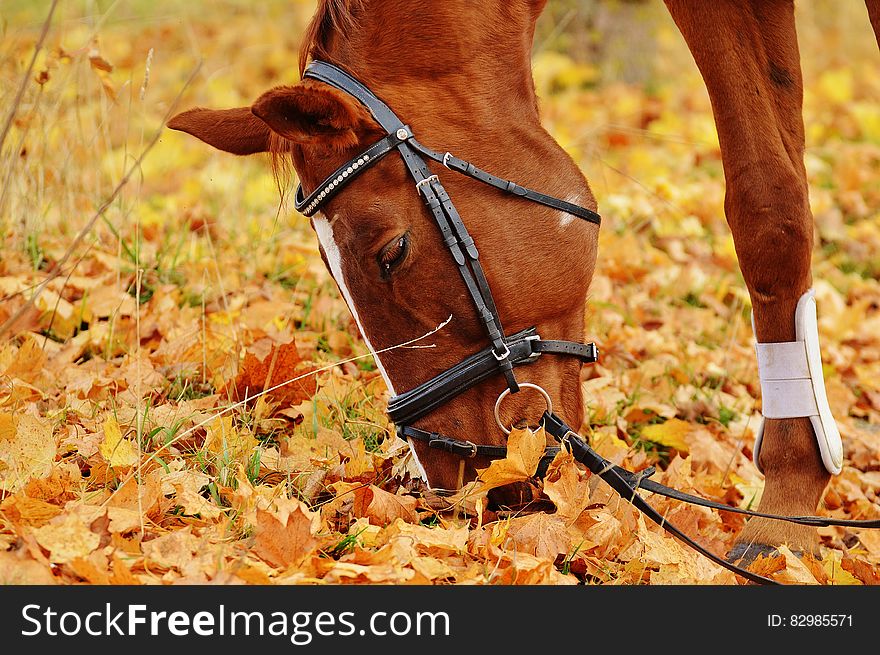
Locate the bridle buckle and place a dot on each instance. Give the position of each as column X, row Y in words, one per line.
column 427, row 180
column 502, row 355
column 473, row 448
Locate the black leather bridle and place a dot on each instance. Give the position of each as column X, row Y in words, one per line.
column 505, row 352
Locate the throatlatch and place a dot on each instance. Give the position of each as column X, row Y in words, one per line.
column 792, row 384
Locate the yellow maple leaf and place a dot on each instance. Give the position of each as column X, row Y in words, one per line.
column 541, row 535
column 837, row 574
column 225, row 440
column 117, row 451
column 285, row 538
column 795, row 571
column 567, row 486
column 524, row 450
column 671, row 433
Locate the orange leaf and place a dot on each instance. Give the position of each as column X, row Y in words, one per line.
column 284, row 541
column 382, row 508
column 764, row 565
column 867, row 573
column 267, row 365
column 542, row 535
column 524, row 450
column 99, row 63
column 567, row 485
column 795, row 571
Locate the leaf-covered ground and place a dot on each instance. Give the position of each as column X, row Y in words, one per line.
column 143, row 441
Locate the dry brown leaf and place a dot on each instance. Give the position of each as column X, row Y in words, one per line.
column 61, row 485
column 123, row 520
column 438, row 541
column 382, row 508
column 568, row 486
column 139, row 495
column 285, row 539
column 767, row 565
column 89, row 571
column 194, row 503
column 27, row 449
column 72, row 535
column 541, row 535
column 16, row 568
column 870, row 539
column 795, row 571
column 121, row 574
column 268, row 364
column 432, row 568
column 102, row 68
column 524, row 450
column 23, row 510
column 253, row 575
column 172, row 550
column 864, row 571
column 27, row 363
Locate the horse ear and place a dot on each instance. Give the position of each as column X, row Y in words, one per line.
column 312, row 113
column 232, row 130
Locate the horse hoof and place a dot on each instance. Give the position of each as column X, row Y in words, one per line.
column 744, row 553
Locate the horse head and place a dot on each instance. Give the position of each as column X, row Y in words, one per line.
column 460, row 78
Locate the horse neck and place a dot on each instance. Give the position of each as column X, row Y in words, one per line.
column 460, row 62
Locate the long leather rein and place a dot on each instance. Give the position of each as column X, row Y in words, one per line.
column 505, row 352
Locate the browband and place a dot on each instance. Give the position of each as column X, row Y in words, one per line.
column 397, row 134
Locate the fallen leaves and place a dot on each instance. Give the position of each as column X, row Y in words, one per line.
column 116, row 451
column 74, row 534
column 524, row 450
column 173, row 409
column 174, row 550
column 567, row 485
column 285, row 538
column 276, row 369
column 543, row 535
column 383, row 508
column 671, row 433
column 27, row 449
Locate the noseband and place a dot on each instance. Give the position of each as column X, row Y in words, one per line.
column 505, row 353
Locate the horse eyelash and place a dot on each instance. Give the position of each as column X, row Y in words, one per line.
column 398, row 250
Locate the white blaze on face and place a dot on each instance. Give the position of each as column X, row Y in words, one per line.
column 324, row 230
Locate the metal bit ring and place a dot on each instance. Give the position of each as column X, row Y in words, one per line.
column 506, row 392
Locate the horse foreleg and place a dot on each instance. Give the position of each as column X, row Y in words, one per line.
column 748, row 56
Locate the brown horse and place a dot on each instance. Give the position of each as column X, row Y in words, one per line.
column 459, row 74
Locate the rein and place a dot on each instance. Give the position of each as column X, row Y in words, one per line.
column 505, row 352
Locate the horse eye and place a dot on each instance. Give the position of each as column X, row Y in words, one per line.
column 393, row 254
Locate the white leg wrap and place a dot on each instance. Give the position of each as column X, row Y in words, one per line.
column 792, row 384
